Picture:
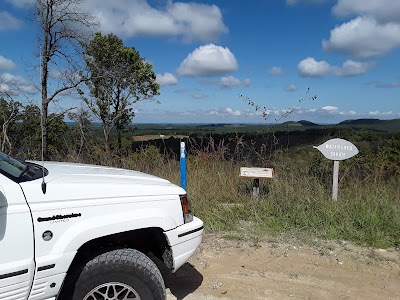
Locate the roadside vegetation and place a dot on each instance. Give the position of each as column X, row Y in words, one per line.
column 296, row 201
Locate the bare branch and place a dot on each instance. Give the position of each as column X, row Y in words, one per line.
column 63, row 89
column 55, row 116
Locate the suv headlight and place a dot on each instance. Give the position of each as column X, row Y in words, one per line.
column 186, row 209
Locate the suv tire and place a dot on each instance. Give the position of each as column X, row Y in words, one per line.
column 120, row 274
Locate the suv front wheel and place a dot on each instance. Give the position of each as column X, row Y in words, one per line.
column 121, row 274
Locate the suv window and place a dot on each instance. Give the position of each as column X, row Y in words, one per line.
column 19, row 171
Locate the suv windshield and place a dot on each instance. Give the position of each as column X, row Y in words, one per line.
column 19, row 171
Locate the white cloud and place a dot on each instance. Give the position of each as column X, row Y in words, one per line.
column 6, row 64
column 379, row 113
column 188, row 113
column 381, row 10
column 166, row 79
column 291, row 88
column 330, row 108
column 352, row 68
column 244, row 114
column 4, row 89
column 275, row 71
column 8, row 21
column 208, row 60
column 274, row 112
column 309, row 67
column 347, row 113
column 16, row 84
column 230, row 81
column 190, row 21
column 363, row 37
column 232, row 112
column 225, row 112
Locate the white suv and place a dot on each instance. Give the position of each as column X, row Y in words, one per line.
column 75, row 231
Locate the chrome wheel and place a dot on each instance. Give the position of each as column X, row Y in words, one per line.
column 112, row 291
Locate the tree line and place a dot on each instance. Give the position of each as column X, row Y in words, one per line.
column 107, row 76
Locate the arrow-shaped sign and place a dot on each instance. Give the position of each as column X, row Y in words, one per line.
column 337, row 149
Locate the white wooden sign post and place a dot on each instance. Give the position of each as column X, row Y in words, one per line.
column 336, row 150
column 256, row 174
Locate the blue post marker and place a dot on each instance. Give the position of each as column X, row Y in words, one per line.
column 183, row 165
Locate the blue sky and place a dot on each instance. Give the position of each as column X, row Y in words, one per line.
column 207, row 53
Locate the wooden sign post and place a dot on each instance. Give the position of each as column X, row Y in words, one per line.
column 336, row 150
column 256, row 174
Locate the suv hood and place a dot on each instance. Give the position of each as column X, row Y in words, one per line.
column 61, row 170
column 81, row 181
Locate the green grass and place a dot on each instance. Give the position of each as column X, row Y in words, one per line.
column 367, row 212
column 296, row 201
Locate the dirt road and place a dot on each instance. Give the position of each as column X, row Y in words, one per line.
column 223, row 269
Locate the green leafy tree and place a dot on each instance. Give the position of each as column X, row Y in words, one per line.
column 29, row 132
column 56, row 132
column 119, row 77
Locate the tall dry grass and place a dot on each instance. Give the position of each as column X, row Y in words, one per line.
column 297, row 200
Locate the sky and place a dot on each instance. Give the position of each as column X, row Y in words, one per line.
column 211, row 57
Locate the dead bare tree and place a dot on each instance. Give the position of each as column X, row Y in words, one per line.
column 10, row 110
column 64, row 27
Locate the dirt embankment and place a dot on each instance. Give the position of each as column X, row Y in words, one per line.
column 223, row 269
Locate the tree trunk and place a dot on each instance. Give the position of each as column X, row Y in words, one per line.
column 45, row 105
column 82, row 144
column 3, row 142
column 44, row 131
column 106, row 133
column 6, row 139
column 119, row 139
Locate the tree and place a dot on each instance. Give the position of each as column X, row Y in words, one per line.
column 10, row 111
column 29, row 132
column 63, row 29
column 56, row 132
column 119, row 77
column 81, row 129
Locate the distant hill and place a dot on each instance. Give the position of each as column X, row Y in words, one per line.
column 299, row 123
column 373, row 124
column 307, row 123
column 224, row 128
column 363, row 122
column 368, row 124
